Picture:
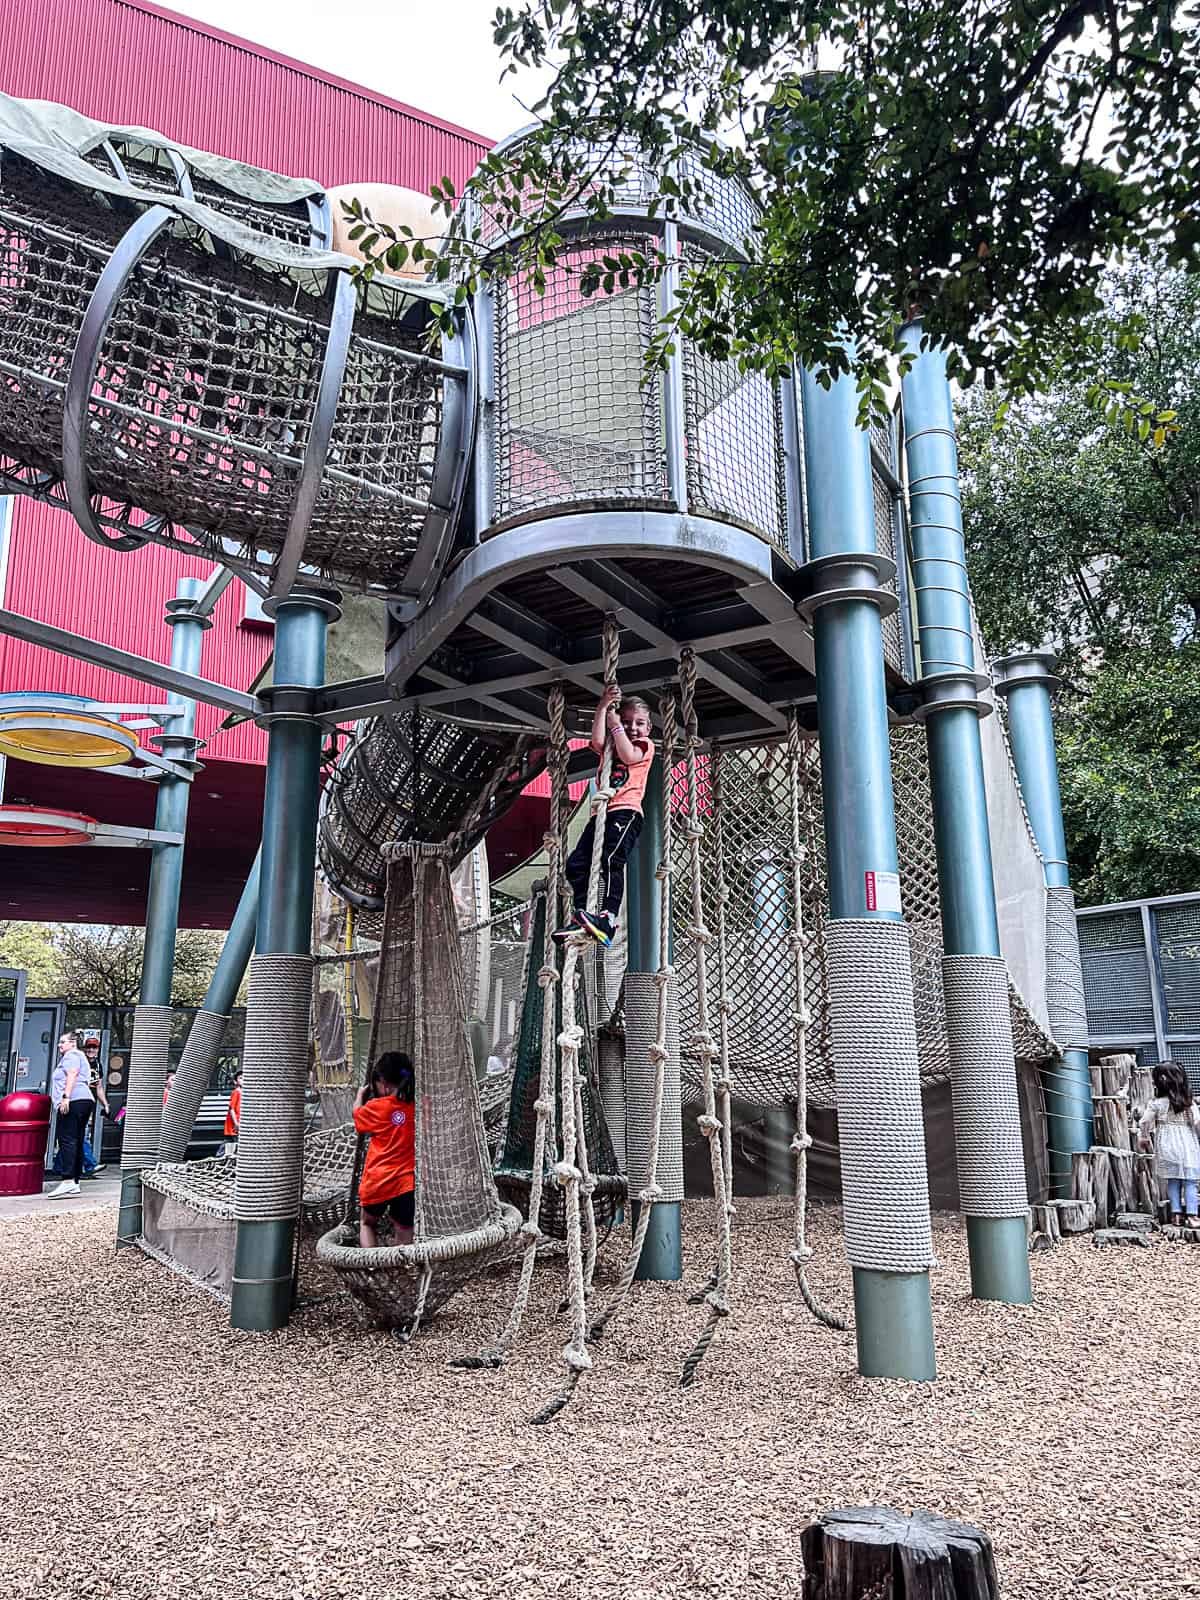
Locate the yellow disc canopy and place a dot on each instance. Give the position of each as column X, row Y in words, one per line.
column 54, row 731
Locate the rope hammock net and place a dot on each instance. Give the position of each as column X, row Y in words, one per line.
column 459, row 1219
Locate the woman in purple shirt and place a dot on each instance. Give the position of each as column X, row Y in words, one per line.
column 71, row 1093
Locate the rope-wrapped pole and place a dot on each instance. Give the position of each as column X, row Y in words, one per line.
column 275, row 1067
column 149, row 1054
column 799, row 942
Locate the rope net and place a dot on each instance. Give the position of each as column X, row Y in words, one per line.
column 757, row 859
column 206, row 389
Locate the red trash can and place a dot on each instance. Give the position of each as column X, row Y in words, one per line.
column 24, row 1129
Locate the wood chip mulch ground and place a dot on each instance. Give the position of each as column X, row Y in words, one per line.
column 147, row 1452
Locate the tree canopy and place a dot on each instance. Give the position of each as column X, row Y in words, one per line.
column 977, row 161
column 102, row 963
column 1082, row 534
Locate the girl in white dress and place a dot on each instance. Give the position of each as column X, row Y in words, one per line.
column 1171, row 1124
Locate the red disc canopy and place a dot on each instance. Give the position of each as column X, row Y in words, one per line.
column 39, row 827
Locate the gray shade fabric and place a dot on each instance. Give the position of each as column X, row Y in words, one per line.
column 991, row 1168
column 884, row 1185
column 29, row 129
column 43, row 122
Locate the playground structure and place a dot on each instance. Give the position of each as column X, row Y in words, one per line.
column 188, row 370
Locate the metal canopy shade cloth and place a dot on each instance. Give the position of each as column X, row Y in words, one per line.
column 460, row 1222
column 175, row 375
column 37, row 827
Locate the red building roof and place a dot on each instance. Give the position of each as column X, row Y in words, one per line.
column 129, row 62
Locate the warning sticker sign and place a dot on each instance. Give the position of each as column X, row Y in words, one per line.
column 883, row 891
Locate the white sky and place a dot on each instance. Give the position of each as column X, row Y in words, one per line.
column 435, row 55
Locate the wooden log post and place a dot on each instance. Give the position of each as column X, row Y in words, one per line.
column 1045, row 1220
column 875, row 1553
column 1145, row 1182
column 1082, row 1185
column 1098, row 1159
column 1075, row 1216
column 1121, row 1191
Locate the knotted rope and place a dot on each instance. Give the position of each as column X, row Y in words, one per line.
column 801, row 1252
column 543, row 1106
column 659, row 1051
column 572, row 1171
column 711, row 1125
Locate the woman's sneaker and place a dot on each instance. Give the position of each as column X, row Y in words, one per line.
column 601, row 926
column 65, row 1190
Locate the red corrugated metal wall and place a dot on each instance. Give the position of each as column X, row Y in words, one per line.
column 125, row 62
column 56, row 575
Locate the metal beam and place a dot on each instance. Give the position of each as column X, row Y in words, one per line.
column 536, row 546
column 108, row 655
column 635, row 607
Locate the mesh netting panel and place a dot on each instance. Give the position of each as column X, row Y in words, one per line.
column 734, row 430
column 719, row 203
column 514, row 1166
column 53, row 248
column 1064, row 974
column 574, row 422
column 419, row 1009
column 373, row 797
column 757, row 832
column 208, row 1185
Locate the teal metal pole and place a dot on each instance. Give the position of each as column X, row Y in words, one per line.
column 997, row 1244
column 263, row 1252
column 661, row 1260
column 177, row 741
column 238, row 947
column 1027, row 682
column 893, row 1322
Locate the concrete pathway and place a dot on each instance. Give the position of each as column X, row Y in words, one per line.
column 96, row 1194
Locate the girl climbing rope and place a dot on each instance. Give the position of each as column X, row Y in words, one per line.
column 626, row 722
column 1171, row 1124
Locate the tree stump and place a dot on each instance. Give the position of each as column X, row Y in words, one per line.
column 1145, row 1183
column 1075, row 1216
column 1045, row 1220
column 1098, row 1160
column 875, row 1553
column 1082, row 1185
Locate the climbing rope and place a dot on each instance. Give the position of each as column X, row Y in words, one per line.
column 572, row 1170
column 659, row 1050
column 801, row 1253
column 710, row 1124
column 543, row 1106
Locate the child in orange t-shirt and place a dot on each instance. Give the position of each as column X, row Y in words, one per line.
column 389, row 1172
column 233, row 1116
column 627, row 723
